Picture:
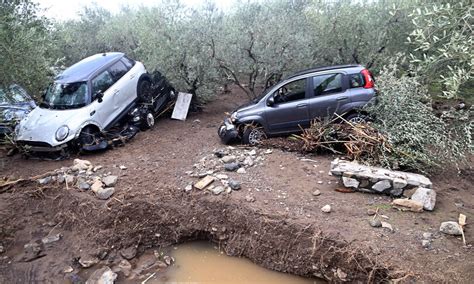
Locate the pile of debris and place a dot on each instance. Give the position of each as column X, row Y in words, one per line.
column 357, row 141
column 81, row 175
column 215, row 167
column 395, row 183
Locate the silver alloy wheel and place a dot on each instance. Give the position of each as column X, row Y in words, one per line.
column 256, row 136
column 150, row 120
column 358, row 120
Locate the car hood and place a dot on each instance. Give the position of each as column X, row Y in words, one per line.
column 246, row 106
column 41, row 125
column 14, row 112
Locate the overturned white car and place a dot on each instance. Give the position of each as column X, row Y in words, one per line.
column 87, row 100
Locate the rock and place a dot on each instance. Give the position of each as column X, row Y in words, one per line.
column 249, row 198
column 221, row 176
column 341, row 274
column 320, row 182
column 96, row 186
column 61, row 179
column 396, row 192
column 425, row 196
column 81, row 165
column 68, row 269
column 376, row 223
column 412, row 205
column 69, row 179
column 426, row 244
column 269, row 151
column 249, row 162
column 145, row 262
column 427, row 236
column 122, row 167
column 450, row 228
column 32, row 251
column 45, row 180
column 188, row 188
column 399, row 183
column 228, row 159
column 102, row 276
column 350, row 182
column 241, row 171
column 105, row 193
column 219, row 153
column 84, row 185
column 51, row 239
column 231, row 167
column 110, row 181
column 234, row 185
column 2, row 249
column 381, row 186
column 125, row 267
column 253, row 152
column 371, row 212
column 217, row 190
column 316, row 193
column 326, row 208
column 87, row 261
column 168, row 260
column 95, row 169
column 129, row 253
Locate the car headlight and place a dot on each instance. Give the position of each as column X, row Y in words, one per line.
column 234, row 116
column 62, row 133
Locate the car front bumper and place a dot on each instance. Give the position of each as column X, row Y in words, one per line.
column 228, row 131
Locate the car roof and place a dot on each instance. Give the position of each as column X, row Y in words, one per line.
column 87, row 67
column 323, row 68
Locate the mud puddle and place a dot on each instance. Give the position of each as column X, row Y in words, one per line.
column 202, row 262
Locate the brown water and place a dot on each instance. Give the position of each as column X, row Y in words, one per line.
column 201, row 262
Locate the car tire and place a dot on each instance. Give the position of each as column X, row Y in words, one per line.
column 88, row 137
column 253, row 135
column 148, row 121
column 357, row 118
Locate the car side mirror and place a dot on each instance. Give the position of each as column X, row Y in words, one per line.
column 99, row 95
column 271, row 101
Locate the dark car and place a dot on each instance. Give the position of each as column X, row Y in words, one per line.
column 15, row 104
column 295, row 101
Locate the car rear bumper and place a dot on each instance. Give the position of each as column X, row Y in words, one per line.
column 228, row 131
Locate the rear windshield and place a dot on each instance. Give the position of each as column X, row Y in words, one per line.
column 66, row 96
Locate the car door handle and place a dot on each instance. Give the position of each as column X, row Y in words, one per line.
column 301, row 105
column 116, row 92
column 132, row 76
column 342, row 98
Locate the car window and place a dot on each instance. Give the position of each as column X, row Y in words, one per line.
column 18, row 94
column 327, row 84
column 356, row 80
column 117, row 71
column 293, row 91
column 101, row 83
column 128, row 62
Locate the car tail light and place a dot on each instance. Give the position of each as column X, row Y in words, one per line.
column 369, row 81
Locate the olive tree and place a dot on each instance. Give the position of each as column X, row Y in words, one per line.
column 26, row 46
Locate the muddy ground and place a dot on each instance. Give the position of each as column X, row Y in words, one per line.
column 274, row 220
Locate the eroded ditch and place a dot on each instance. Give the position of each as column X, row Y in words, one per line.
column 166, row 218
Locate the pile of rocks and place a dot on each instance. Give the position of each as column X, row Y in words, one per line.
column 84, row 176
column 213, row 169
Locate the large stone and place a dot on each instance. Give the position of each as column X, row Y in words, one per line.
column 228, row 159
column 235, row 185
column 381, row 186
column 84, row 185
column 426, row 196
column 102, row 276
column 249, row 161
column 451, row 228
column 412, row 205
column 129, row 253
column 217, row 190
column 110, row 181
column 105, row 193
column 231, row 167
column 81, row 165
column 87, row 261
column 350, row 182
column 97, row 186
column 326, row 208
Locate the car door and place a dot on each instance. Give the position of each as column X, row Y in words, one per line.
column 290, row 109
column 123, row 90
column 328, row 95
column 102, row 106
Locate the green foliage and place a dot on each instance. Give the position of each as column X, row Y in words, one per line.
column 420, row 139
column 443, row 41
column 26, row 46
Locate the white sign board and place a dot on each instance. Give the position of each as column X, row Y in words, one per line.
column 182, row 106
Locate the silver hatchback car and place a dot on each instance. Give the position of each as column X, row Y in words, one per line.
column 89, row 97
column 295, row 101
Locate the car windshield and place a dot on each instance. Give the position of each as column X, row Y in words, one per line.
column 12, row 95
column 66, row 96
